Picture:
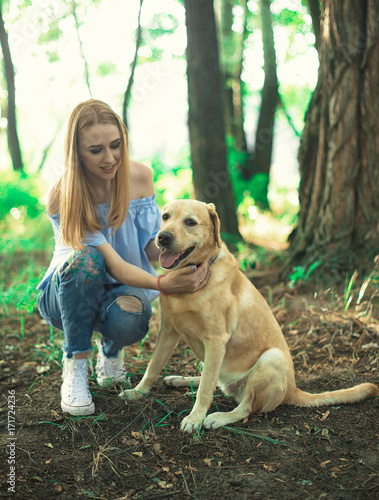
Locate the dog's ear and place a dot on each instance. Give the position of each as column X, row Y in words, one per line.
column 216, row 223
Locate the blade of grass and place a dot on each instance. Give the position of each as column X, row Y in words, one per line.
column 248, row 433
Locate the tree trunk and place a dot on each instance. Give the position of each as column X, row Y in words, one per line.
column 206, row 117
column 339, row 151
column 13, row 143
column 231, row 61
column 128, row 91
column 81, row 49
column 260, row 162
column 314, row 10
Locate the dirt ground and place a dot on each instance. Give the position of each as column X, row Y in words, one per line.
column 135, row 450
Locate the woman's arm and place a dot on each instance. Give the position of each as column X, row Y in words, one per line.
column 185, row 280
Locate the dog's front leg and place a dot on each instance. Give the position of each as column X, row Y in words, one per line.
column 213, row 358
column 166, row 343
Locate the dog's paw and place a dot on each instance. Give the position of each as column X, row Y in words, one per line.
column 131, row 394
column 176, row 381
column 191, row 425
column 216, row 420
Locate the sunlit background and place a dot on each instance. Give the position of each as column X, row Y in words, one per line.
column 50, row 81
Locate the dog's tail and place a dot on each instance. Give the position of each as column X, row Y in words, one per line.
column 352, row 395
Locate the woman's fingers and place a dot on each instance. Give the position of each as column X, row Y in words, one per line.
column 187, row 279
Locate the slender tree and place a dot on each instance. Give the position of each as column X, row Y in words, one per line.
column 80, row 41
column 261, row 158
column 339, row 151
column 231, row 45
column 13, row 142
column 133, row 66
column 206, row 116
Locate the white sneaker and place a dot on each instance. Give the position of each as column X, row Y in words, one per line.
column 109, row 370
column 75, row 396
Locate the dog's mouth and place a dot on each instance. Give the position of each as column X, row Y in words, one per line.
column 169, row 260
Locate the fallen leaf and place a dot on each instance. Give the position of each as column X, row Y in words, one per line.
column 208, row 461
column 48, row 445
column 165, row 485
column 48, row 461
column 136, row 435
column 270, row 467
column 324, row 464
column 42, row 369
column 157, row 448
column 138, row 454
column 130, row 442
column 58, row 488
column 166, row 469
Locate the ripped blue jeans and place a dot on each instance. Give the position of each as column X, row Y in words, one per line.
column 77, row 301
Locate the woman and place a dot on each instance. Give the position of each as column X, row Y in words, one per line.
column 105, row 219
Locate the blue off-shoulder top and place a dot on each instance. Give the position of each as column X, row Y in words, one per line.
column 141, row 225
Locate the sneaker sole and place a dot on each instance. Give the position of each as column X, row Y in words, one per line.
column 78, row 410
column 103, row 382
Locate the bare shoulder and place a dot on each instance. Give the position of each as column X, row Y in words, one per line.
column 52, row 200
column 141, row 180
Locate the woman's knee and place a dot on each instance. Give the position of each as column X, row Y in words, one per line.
column 128, row 319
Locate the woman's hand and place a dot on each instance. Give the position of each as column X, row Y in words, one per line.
column 187, row 279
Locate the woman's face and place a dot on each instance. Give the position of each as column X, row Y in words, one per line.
column 100, row 150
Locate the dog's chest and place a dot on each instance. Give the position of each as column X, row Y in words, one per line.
column 189, row 324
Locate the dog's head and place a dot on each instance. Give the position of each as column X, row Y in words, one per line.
column 190, row 233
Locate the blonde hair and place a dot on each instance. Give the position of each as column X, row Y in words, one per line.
column 77, row 204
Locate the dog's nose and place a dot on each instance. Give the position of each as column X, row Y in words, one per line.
column 165, row 238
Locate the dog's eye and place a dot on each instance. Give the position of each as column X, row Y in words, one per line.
column 190, row 222
column 165, row 217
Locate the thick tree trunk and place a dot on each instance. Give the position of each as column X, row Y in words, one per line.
column 206, row 117
column 13, row 143
column 339, row 151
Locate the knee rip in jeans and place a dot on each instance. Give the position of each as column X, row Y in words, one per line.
column 130, row 304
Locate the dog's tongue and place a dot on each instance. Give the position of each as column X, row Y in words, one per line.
column 166, row 258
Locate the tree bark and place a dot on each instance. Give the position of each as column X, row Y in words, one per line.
column 13, row 142
column 314, row 10
column 339, row 150
column 206, row 116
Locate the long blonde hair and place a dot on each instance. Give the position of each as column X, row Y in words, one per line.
column 77, row 204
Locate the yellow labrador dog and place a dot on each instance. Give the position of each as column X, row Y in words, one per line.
column 228, row 325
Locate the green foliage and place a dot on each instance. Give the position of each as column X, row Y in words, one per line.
column 162, row 24
column 172, row 183
column 106, row 68
column 19, row 196
column 362, row 296
column 301, row 273
column 26, row 235
column 246, row 192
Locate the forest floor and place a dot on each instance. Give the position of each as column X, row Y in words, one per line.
column 136, row 451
